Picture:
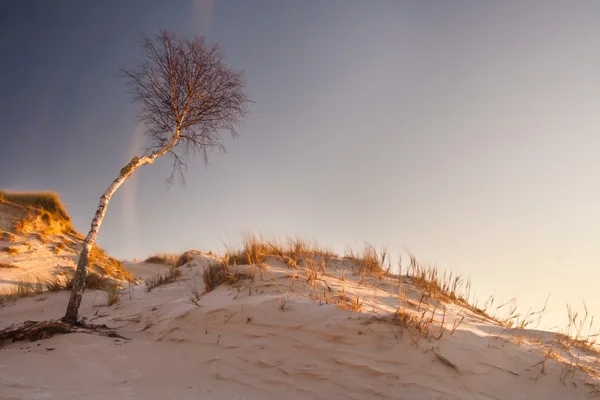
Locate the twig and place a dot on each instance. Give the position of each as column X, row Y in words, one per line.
column 447, row 362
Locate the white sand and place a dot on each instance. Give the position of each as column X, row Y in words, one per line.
column 268, row 339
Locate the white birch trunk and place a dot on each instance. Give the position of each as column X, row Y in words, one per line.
column 90, row 239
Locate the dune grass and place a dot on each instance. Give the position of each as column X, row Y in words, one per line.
column 61, row 246
column 423, row 320
column 291, row 250
column 370, row 261
column 35, row 286
column 93, row 281
column 217, row 273
column 21, row 290
column 163, row 258
column 12, row 250
column 45, row 213
column 437, row 288
column 186, row 257
column 47, row 201
column 7, row 236
column 113, row 295
column 108, row 265
column 168, row 277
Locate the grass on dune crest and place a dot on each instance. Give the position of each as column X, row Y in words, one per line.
column 47, row 201
column 256, row 249
column 437, row 288
column 163, row 258
column 425, row 317
column 41, row 212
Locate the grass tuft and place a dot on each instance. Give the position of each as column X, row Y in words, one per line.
column 217, row 273
column 163, row 258
column 292, row 251
column 159, row 280
column 21, row 290
column 7, row 236
column 47, row 201
column 185, row 258
column 108, row 265
column 12, row 250
column 93, row 281
column 59, row 247
column 369, row 261
column 113, row 295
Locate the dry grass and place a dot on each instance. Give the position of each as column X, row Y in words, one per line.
column 93, row 281
column 370, row 261
column 7, row 236
column 217, row 273
column 292, row 251
column 164, row 258
column 113, row 295
column 108, row 265
column 55, row 284
column 575, row 347
column 12, row 250
column 418, row 325
column 59, row 247
column 195, row 294
column 43, row 222
column 47, row 201
column 42, row 238
column 40, row 213
column 159, row 280
column 21, row 290
column 578, row 342
column 439, row 288
column 574, row 336
column 186, row 257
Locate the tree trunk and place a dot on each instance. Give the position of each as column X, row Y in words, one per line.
column 88, row 243
column 90, row 239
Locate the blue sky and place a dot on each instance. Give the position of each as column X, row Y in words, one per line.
column 466, row 132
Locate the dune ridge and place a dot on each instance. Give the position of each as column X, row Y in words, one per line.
column 271, row 321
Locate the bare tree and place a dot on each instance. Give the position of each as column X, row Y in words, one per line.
column 188, row 97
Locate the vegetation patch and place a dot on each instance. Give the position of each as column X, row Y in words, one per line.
column 12, row 250
column 108, row 265
column 217, row 273
column 21, row 290
column 370, row 261
column 42, row 238
column 163, row 258
column 59, row 247
column 47, row 201
column 292, row 251
column 93, row 281
column 113, row 295
column 159, row 280
column 7, row 236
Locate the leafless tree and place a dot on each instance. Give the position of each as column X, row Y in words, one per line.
column 188, row 98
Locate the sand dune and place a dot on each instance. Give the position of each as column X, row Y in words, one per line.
column 43, row 249
column 283, row 335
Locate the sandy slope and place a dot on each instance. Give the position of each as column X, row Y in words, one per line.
column 36, row 257
column 277, row 337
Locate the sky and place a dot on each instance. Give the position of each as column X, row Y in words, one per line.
column 465, row 132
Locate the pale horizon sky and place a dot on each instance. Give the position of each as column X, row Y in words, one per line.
column 466, row 132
